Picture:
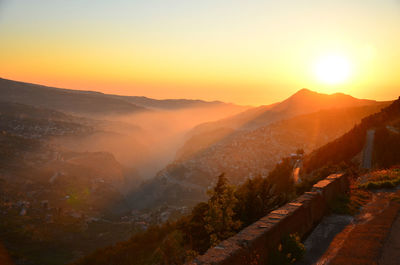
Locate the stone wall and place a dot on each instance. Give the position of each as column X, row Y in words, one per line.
column 252, row 244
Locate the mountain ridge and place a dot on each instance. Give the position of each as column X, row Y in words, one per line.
column 17, row 91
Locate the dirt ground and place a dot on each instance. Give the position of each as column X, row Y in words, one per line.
column 372, row 237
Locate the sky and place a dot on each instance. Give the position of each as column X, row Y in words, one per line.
column 251, row 52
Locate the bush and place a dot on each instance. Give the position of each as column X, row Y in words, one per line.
column 289, row 251
column 382, row 184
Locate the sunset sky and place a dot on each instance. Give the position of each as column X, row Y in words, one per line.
column 247, row 52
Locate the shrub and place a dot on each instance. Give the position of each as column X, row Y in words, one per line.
column 381, row 184
column 289, row 251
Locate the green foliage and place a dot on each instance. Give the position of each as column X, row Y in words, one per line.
column 382, row 179
column 225, row 213
column 255, row 198
column 281, row 176
column 340, row 205
column 194, row 228
column 171, row 250
column 350, row 204
column 219, row 218
column 289, row 251
column 382, row 184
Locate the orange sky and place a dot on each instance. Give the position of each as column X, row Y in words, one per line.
column 248, row 52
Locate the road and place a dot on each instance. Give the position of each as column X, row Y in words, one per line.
column 369, row 238
column 391, row 249
column 392, row 129
column 368, row 148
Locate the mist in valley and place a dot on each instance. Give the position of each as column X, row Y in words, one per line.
column 144, row 142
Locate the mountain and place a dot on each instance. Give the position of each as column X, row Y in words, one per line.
column 95, row 103
column 302, row 102
column 243, row 153
column 72, row 101
column 385, row 128
column 174, row 104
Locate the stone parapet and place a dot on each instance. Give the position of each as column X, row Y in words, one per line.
column 253, row 243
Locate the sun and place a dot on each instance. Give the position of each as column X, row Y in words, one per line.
column 332, row 69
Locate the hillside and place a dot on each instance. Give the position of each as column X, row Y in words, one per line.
column 95, row 103
column 244, row 154
column 48, row 193
column 37, row 122
column 348, row 148
column 302, row 102
column 72, row 101
column 175, row 104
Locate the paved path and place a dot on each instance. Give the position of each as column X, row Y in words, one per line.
column 319, row 240
column 391, row 249
column 372, row 238
column 392, row 129
column 368, row 148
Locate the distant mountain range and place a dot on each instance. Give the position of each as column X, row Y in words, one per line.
column 171, row 104
column 302, row 102
column 90, row 102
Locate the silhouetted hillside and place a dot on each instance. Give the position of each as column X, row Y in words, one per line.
column 72, row 101
column 346, row 147
column 95, row 103
column 174, row 104
column 302, row 102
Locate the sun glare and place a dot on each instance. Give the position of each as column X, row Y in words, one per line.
column 332, row 69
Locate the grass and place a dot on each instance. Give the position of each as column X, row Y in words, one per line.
column 394, row 197
column 350, row 204
column 383, row 184
column 383, row 179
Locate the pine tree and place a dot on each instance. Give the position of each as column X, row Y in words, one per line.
column 220, row 223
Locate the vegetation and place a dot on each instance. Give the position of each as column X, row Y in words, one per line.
column 227, row 211
column 219, row 220
column 308, row 180
column 383, row 179
column 359, row 193
column 350, row 204
column 386, row 148
column 288, row 252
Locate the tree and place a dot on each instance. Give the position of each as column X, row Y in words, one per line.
column 220, row 223
column 256, row 197
column 281, row 176
column 194, row 228
column 300, row 151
